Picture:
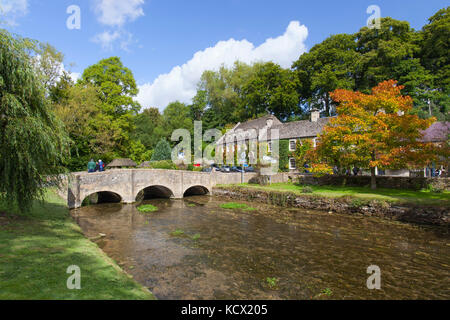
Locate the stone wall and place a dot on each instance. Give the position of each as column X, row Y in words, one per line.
column 389, row 182
column 348, row 205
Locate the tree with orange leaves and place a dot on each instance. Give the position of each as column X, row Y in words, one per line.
column 375, row 130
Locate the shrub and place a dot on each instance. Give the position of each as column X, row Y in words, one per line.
column 307, row 190
column 164, row 164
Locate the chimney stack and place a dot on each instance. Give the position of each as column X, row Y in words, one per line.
column 315, row 115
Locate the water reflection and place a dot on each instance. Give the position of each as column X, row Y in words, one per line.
column 229, row 254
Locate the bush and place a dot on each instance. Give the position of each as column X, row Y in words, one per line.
column 165, row 164
column 307, row 190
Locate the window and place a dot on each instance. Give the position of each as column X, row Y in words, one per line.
column 269, row 146
column 292, row 145
column 292, row 165
column 314, row 142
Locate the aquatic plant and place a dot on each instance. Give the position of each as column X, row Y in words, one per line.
column 147, row 208
column 272, row 282
column 177, row 233
column 234, row 205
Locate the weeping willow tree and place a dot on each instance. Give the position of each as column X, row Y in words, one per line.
column 33, row 143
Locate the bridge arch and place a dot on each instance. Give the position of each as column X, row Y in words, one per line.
column 98, row 197
column 154, row 192
column 196, row 190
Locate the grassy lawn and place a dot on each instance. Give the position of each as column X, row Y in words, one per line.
column 389, row 195
column 36, row 250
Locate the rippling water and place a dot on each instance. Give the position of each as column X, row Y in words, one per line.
column 229, row 254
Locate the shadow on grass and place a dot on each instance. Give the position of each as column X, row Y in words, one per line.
column 37, row 249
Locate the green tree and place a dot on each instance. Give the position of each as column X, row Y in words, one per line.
column 436, row 58
column 162, row 151
column 176, row 116
column 148, row 127
column 271, row 89
column 329, row 65
column 81, row 113
column 117, row 88
column 224, row 94
column 32, row 140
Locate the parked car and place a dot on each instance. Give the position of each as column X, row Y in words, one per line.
column 236, row 169
column 225, row 169
column 207, row 169
column 249, row 169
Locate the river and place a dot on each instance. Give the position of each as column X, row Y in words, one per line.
column 194, row 249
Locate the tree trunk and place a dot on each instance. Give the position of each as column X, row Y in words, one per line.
column 373, row 179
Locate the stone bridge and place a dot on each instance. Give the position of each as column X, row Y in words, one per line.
column 126, row 185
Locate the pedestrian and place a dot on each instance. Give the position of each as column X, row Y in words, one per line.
column 355, row 171
column 101, row 165
column 97, row 167
column 91, row 166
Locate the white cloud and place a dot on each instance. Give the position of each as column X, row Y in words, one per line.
column 181, row 82
column 106, row 39
column 118, row 12
column 10, row 10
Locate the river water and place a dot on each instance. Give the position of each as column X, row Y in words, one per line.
column 268, row 253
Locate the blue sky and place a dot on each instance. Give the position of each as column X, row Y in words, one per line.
column 155, row 38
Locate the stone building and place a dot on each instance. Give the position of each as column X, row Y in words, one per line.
column 259, row 130
column 241, row 136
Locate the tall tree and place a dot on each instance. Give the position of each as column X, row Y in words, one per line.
column 375, row 130
column 32, row 141
column 328, row 66
column 176, row 116
column 162, row 151
column 271, row 89
column 117, row 88
column 435, row 55
column 392, row 52
column 148, row 127
column 91, row 131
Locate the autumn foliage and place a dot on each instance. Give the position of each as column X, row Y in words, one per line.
column 375, row 130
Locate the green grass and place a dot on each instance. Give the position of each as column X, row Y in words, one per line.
column 424, row 197
column 234, row 205
column 37, row 249
column 147, row 208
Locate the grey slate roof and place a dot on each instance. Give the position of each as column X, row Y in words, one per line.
column 289, row 130
column 258, row 124
column 301, row 129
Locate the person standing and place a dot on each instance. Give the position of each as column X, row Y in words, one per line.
column 91, row 166
column 101, row 165
column 97, row 167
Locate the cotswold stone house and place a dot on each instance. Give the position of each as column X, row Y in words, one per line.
column 241, row 136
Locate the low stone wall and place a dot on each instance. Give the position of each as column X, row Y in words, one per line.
column 389, row 182
column 348, row 205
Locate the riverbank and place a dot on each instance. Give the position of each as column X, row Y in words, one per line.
column 37, row 249
column 401, row 205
